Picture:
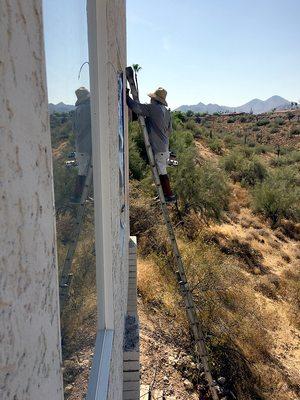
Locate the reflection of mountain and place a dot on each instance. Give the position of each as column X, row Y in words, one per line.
column 60, row 107
column 258, row 106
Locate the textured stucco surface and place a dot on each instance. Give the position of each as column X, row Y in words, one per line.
column 29, row 315
column 116, row 45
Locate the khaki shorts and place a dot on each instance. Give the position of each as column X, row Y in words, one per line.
column 161, row 162
column 83, row 160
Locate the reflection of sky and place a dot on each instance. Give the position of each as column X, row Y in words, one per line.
column 66, row 48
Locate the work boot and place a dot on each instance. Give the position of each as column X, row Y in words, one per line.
column 165, row 183
column 79, row 185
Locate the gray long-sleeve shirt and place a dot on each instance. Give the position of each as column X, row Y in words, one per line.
column 158, row 122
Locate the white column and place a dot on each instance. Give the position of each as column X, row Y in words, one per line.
column 30, row 354
column 98, row 56
column 107, row 57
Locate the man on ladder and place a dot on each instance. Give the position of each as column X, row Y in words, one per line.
column 159, row 124
column 83, row 140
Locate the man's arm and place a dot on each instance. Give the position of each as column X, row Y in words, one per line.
column 138, row 108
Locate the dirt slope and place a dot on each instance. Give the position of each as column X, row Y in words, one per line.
column 271, row 289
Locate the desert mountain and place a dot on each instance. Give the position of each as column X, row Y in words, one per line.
column 256, row 105
column 60, row 107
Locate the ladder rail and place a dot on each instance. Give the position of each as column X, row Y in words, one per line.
column 184, row 286
column 66, row 277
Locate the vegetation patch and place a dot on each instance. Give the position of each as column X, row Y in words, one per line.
column 295, row 131
column 244, row 168
column 263, row 122
column 278, row 196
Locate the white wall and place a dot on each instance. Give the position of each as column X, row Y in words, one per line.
column 29, row 313
column 107, row 47
column 116, row 42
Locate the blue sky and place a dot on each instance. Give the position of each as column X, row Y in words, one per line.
column 65, row 31
column 224, row 52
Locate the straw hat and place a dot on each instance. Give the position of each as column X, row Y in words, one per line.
column 82, row 94
column 160, row 95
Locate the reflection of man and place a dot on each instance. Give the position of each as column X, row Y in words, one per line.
column 159, row 125
column 83, row 139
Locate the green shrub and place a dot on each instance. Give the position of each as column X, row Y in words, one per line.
column 136, row 135
column 64, row 180
column 285, row 150
column 289, row 159
column 231, row 120
column 63, row 135
column 229, row 141
column 278, row 196
column 279, row 121
column 179, row 115
column 274, row 130
column 243, row 120
column 181, row 140
column 262, row 149
column 137, row 152
column 137, row 166
column 198, row 131
column 263, row 122
column 295, row 131
column 215, row 145
column 201, row 188
column 207, row 124
column 239, row 134
column 190, row 124
column 194, row 127
column 255, row 128
column 61, row 128
column 177, row 123
column 247, row 151
column 247, row 170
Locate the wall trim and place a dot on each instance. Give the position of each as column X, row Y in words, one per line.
column 99, row 376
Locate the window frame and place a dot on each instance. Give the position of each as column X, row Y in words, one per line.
column 98, row 59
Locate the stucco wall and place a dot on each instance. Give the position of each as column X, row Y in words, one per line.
column 29, row 315
column 116, row 41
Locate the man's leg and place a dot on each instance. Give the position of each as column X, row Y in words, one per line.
column 83, row 160
column 161, row 163
column 165, row 183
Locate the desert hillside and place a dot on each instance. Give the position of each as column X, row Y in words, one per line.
column 238, row 228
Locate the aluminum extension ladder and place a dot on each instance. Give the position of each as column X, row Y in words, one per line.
column 66, row 276
column 180, row 274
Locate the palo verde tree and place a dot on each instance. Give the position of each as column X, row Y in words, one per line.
column 136, row 68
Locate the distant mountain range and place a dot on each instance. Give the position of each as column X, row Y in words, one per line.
column 256, row 105
column 60, row 107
